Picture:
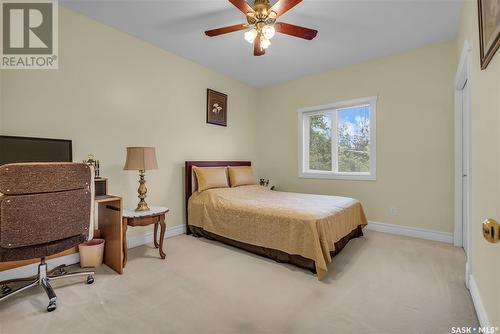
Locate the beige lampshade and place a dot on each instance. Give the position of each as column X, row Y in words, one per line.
column 141, row 158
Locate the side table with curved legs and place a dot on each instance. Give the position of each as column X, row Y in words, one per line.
column 156, row 216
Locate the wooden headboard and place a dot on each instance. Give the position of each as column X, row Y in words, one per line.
column 188, row 174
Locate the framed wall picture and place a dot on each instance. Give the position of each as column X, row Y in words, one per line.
column 489, row 29
column 216, row 108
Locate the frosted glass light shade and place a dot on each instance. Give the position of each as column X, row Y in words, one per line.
column 268, row 31
column 250, row 35
column 265, row 43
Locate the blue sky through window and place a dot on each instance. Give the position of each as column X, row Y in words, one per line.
column 351, row 116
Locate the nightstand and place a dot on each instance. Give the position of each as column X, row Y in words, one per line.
column 155, row 215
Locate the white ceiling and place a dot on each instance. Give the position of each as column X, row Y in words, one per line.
column 350, row 31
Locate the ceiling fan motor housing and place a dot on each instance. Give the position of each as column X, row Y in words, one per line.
column 262, row 15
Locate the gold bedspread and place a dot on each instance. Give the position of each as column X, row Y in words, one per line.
column 303, row 224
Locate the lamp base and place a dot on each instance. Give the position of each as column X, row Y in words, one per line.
column 142, row 206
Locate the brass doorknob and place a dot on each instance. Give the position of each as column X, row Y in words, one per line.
column 491, row 230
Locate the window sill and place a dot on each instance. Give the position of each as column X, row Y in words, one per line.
column 337, row 176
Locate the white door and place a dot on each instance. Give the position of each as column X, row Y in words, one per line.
column 465, row 167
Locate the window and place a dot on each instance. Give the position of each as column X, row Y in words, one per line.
column 337, row 141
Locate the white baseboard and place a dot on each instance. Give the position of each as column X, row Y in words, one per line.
column 413, row 232
column 482, row 316
column 142, row 239
column 467, row 274
column 31, row 269
column 134, row 241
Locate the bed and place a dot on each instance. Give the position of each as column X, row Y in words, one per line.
column 302, row 229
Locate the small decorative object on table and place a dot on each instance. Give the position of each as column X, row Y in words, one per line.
column 216, row 108
column 141, row 159
column 100, row 183
column 91, row 161
column 265, row 183
column 155, row 215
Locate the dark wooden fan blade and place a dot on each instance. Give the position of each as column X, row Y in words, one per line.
column 225, row 30
column 283, row 6
column 241, row 5
column 293, row 30
column 257, row 49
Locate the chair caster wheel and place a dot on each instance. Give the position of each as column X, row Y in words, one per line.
column 6, row 289
column 90, row 279
column 52, row 307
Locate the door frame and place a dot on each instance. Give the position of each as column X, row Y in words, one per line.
column 462, row 77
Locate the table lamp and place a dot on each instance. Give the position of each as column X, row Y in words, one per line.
column 141, row 159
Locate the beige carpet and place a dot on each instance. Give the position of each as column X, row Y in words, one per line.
column 378, row 284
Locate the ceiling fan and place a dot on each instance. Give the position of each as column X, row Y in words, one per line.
column 261, row 20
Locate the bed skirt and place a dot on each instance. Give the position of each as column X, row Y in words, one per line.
column 274, row 254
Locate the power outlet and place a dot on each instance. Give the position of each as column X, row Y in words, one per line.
column 393, row 211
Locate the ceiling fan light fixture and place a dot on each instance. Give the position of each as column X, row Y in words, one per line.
column 265, row 43
column 261, row 25
column 268, row 31
column 250, row 36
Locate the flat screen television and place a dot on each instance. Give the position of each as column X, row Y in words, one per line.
column 27, row 149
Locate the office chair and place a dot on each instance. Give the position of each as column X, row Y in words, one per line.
column 45, row 208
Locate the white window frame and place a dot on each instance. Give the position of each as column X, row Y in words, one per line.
column 303, row 147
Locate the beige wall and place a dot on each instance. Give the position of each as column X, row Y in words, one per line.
column 414, row 134
column 112, row 91
column 485, row 167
